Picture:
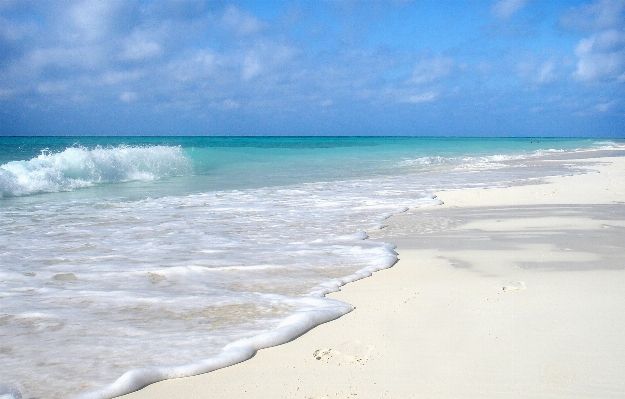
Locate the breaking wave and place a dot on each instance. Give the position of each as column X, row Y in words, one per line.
column 79, row 167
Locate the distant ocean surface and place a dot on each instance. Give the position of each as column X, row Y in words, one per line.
column 125, row 253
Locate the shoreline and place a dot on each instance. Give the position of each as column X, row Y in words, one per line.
column 436, row 325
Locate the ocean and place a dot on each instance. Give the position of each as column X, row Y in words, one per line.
column 126, row 260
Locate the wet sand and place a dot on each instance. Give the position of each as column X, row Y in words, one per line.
column 507, row 292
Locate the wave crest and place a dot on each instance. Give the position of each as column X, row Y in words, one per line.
column 78, row 167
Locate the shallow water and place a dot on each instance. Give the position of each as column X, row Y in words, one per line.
column 121, row 253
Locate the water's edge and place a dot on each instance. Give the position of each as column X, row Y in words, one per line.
column 291, row 328
column 317, row 308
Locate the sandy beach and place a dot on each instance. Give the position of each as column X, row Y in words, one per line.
column 504, row 292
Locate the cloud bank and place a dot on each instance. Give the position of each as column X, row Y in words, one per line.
column 201, row 67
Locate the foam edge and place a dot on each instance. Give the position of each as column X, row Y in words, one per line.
column 239, row 351
column 233, row 353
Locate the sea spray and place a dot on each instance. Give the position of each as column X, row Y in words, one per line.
column 79, row 167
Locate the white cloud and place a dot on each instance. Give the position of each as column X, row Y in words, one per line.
column 430, row 70
column 601, row 56
column 538, row 72
column 87, row 57
column 128, row 96
column 504, row 9
column 251, row 66
column 139, row 47
column 546, row 72
column 93, row 18
column 14, row 31
column 422, row 98
column 265, row 57
column 602, row 14
column 6, row 93
column 52, row 87
column 213, row 57
column 79, row 98
column 605, row 107
column 198, row 65
column 607, row 41
column 241, row 23
column 227, row 104
column 116, row 77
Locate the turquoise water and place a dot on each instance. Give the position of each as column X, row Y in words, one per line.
column 216, row 163
column 122, row 253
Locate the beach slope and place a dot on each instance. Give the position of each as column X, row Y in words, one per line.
column 514, row 292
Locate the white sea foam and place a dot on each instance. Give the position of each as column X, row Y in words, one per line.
column 425, row 161
column 79, row 167
column 238, row 351
column 9, row 392
column 467, row 162
column 497, row 161
column 179, row 278
column 128, row 288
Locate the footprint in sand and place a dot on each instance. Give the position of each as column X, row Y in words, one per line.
column 354, row 352
column 517, row 285
column 156, row 278
column 64, row 277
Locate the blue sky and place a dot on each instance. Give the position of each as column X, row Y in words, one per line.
column 396, row 67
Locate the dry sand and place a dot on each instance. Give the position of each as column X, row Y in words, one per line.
column 511, row 292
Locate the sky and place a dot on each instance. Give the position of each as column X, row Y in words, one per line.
column 340, row 67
